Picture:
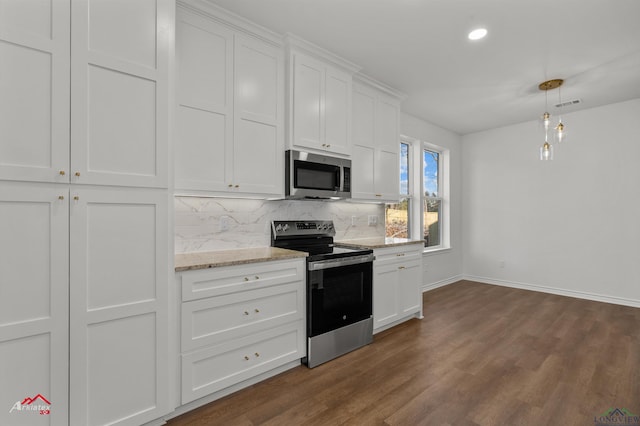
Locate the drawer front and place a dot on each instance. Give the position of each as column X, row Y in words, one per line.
column 213, row 320
column 398, row 254
column 205, row 283
column 213, row 369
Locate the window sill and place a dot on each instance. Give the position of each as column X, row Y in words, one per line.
column 436, row 250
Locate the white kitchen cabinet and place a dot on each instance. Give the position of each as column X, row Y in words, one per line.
column 376, row 145
column 230, row 113
column 87, row 106
column 115, row 87
column 239, row 322
column 118, row 305
column 397, row 279
column 320, row 86
column 34, row 300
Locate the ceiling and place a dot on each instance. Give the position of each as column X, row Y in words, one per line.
column 421, row 48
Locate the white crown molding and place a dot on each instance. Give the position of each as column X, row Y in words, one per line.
column 370, row 81
column 295, row 43
column 214, row 12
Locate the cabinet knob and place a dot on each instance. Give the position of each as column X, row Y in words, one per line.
column 62, row 173
column 257, row 311
column 60, row 197
column 230, row 185
column 76, row 198
column 246, row 358
column 329, row 145
column 401, row 267
column 246, row 313
column 400, row 254
column 77, row 174
column 257, row 277
column 237, row 186
column 246, row 279
column 378, row 195
column 257, row 354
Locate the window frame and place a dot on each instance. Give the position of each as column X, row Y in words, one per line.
column 416, row 197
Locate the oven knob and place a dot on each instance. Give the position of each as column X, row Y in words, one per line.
column 278, row 228
column 285, row 227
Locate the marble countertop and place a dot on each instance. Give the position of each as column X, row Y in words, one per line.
column 377, row 242
column 214, row 259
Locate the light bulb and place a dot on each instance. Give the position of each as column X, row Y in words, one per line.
column 546, row 152
column 560, row 132
column 545, row 120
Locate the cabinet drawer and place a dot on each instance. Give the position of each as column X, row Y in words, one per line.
column 213, row 369
column 205, row 283
column 398, row 254
column 213, row 320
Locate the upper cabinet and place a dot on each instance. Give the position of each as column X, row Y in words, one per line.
column 114, row 88
column 320, row 86
column 376, row 142
column 230, row 112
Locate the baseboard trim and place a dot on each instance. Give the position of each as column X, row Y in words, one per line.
column 441, row 283
column 554, row 290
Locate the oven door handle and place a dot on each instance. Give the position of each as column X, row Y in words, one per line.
column 343, row 261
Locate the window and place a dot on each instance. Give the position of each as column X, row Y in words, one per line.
column 432, row 202
column 422, row 210
column 397, row 215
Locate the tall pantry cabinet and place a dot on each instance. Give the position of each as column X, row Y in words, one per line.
column 84, row 250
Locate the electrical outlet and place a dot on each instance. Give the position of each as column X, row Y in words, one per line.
column 373, row 220
column 225, row 222
column 353, row 220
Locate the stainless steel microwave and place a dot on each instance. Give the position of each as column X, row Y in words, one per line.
column 316, row 176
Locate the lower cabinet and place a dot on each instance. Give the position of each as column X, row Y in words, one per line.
column 397, row 279
column 238, row 322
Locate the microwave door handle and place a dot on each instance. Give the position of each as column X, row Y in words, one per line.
column 339, row 176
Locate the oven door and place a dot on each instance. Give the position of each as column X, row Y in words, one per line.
column 339, row 293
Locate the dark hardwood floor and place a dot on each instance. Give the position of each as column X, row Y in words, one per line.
column 483, row 355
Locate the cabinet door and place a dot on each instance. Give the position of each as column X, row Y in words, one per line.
column 119, row 92
column 258, row 146
column 119, row 306
column 204, row 116
column 337, row 111
column 409, row 283
column 363, row 158
column 34, row 274
column 387, row 165
column 385, row 295
column 34, row 93
column 308, row 87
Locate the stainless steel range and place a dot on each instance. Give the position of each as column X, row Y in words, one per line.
column 339, row 289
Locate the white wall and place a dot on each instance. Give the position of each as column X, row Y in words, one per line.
column 570, row 226
column 446, row 266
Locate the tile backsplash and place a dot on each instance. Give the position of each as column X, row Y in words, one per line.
column 209, row 224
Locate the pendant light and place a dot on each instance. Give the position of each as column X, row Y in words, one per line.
column 546, row 150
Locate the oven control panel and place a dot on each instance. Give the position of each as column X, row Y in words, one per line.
column 296, row 228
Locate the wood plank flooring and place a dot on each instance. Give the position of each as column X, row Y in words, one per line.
column 483, row 355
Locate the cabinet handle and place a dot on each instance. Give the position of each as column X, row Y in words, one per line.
column 378, row 195
column 400, row 254
column 257, row 354
column 246, row 313
column 246, row 279
column 62, row 173
column 61, row 197
column 246, row 358
column 328, row 145
column 257, row 277
column 237, row 186
column 230, row 185
column 77, row 174
column 257, row 311
column 401, row 267
column 76, row 198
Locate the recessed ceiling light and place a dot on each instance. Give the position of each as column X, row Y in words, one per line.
column 477, row 34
